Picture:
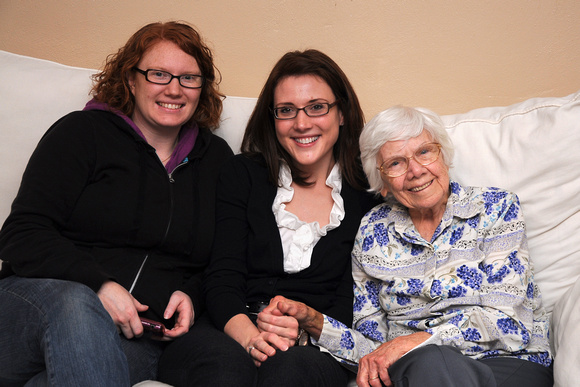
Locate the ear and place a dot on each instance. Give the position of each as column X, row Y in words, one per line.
column 341, row 117
column 131, row 81
column 384, row 191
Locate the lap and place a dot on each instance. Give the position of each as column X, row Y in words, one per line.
column 302, row 366
column 512, row 372
column 55, row 325
column 206, row 356
column 443, row 365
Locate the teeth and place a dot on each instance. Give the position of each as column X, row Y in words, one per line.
column 169, row 105
column 306, row 140
column 416, row 189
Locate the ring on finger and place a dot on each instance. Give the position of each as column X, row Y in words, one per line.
column 250, row 349
column 376, row 377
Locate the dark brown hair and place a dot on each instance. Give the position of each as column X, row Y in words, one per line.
column 112, row 86
column 260, row 136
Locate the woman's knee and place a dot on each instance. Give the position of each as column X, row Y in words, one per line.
column 302, row 366
column 206, row 356
column 435, row 365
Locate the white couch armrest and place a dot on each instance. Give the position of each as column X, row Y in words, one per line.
column 565, row 336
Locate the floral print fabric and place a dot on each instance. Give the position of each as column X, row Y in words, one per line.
column 471, row 286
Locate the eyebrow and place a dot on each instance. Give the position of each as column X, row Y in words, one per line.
column 401, row 155
column 167, row 71
column 311, row 102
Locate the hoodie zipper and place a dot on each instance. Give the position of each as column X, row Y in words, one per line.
column 171, row 204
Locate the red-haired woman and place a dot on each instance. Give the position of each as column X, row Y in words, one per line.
column 114, row 220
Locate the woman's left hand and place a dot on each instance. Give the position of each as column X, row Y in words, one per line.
column 181, row 304
column 374, row 367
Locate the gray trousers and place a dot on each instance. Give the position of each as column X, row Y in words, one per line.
column 439, row 366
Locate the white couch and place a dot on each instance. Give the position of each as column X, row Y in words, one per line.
column 529, row 148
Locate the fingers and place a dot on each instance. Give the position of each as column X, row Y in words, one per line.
column 122, row 307
column 374, row 369
column 180, row 304
column 260, row 351
column 283, row 326
column 265, row 345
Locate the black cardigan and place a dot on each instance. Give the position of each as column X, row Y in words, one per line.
column 247, row 257
column 95, row 201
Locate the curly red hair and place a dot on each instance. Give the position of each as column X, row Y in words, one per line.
column 112, row 86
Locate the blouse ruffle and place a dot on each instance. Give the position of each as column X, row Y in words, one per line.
column 299, row 237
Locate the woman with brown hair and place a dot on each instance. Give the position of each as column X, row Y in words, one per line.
column 114, row 220
column 287, row 213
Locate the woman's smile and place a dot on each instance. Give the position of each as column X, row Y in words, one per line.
column 306, row 140
column 421, row 187
column 172, row 106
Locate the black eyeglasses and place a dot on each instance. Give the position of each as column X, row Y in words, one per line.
column 159, row 77
column 314, row 110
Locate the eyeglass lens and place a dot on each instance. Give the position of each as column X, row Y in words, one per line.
column 164, row 78
column 425, row 155
column 314, row 110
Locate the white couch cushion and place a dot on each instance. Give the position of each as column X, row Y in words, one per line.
column 234, row 118
column 530, row 149
column 34, row 94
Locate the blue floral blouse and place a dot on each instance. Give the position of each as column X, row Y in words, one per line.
column 471, row 286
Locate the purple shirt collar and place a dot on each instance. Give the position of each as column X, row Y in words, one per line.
column 187, row 135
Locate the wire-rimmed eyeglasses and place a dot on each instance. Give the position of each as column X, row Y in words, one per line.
column 426, row 154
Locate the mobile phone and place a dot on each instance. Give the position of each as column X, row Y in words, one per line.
column 155, row 328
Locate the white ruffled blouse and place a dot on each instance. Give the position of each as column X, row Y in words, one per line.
column 299, row 237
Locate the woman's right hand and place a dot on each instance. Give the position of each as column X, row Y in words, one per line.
column 123, row 308
column 373, row 369
column 259, row 345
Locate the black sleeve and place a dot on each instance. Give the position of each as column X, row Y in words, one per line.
column 225, row 282
column 217, row 154
column 55, row 177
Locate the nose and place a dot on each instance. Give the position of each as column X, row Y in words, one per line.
column 415, row 168
column 174, row 87
column 302, row 121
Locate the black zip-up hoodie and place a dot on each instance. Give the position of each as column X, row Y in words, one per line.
column 97, row 204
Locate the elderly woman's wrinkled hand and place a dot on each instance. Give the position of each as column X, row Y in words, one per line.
column 374, row 368
column 308, row 318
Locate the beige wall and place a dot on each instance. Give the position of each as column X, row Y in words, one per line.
column 447, row 55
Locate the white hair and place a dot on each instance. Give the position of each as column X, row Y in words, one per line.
column 395, row 124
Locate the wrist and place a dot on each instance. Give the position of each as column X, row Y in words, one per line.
column 313, row 323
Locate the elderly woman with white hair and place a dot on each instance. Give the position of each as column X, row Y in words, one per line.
column 444, row 289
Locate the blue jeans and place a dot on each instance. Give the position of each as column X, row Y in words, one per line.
column 57, row 333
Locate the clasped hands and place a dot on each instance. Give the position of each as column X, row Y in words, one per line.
column 278, row 324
